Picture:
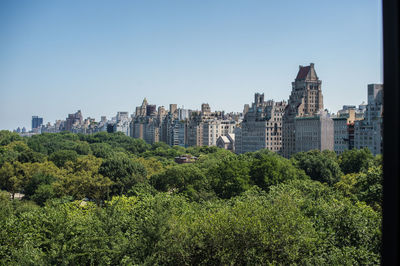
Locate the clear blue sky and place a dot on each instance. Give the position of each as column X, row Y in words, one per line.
column 105, row 56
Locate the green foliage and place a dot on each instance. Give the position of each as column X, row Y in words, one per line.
column 19, row 151
column 354, row 161
column 229, row 176
column 350, row 232
column 48, row 143
column 320, row 166
column 83, row 179
column 43, row 193
column 365, row 186
column 37, row 179
column 5, row 205
column 251, row 209
column 24, row 153
column 6, row 137
column 60, row 157
column 347, row 185
column 118, row 140
column 7, row 155
column 123, row 171
column 12, row 177
column 152, row 165
column 269, row 169
column 186, row 179
column 82, row 148
column 369, row 187
column 246, row 230
column 101, row 150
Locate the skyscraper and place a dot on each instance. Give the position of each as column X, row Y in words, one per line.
column 36, row 122
column 305, row 100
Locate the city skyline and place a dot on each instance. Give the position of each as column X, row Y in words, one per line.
column 58, row 57
column 301, row 124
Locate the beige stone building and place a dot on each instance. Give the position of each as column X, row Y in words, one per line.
column 304, row 100
column 261, row 127
column 314, row 132
column 213, row 128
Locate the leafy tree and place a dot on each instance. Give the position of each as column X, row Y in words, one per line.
column 369, row 187
column 123, row 171
column 6, row 209
column 23, row 153
column 349, row 231
column 82, row 179
column 364, row 186
column 269, row 169
column 48, row 143
column 353, row 161
column 210, row 159
column 48, row 169
column 286, row 219
column 38, row 179
column 12, row 178
column 6, row 137
column 247, row 230
column 347, row 185
column 43, row 193
column 152, row 165
column 101, row 150
column 7, row 155
column 82, row 148
column 230, row 176
column 187, row 179
column 62, row 156
column 320, row 166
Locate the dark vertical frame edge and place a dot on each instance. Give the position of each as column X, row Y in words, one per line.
column 391, row 162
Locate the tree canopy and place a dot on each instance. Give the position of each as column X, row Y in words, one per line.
column 108, row 199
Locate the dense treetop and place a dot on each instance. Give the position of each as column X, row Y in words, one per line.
column 111, row 199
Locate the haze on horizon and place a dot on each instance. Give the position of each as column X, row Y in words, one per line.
column 101, row 57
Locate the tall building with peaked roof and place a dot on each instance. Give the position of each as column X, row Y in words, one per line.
column 304, row 100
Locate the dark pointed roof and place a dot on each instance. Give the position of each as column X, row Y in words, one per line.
column 303, row 72
column 307, row 72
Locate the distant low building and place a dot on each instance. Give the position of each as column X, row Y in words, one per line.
column 185, row 159
column 227, row 142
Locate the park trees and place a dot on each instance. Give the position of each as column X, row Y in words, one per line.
column 256, row 208
column 12, row 177
column 229, row 176
column 82, row 179
column 186, row 179
column 269, row 169
column 354, row 161
column 123, row 171
column 366, row 186
column 60, row 157
column 321, row 166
